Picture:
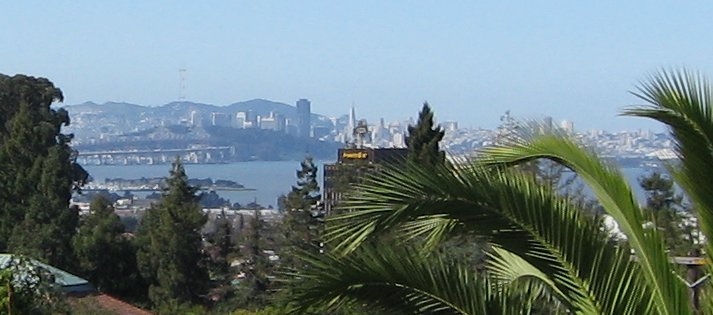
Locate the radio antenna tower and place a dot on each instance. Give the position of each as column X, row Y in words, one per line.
column 182, row 84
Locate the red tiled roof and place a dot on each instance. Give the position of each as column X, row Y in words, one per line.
column 112, row 304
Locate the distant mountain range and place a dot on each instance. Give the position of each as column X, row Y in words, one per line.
column 258, row 106
column 183, row 125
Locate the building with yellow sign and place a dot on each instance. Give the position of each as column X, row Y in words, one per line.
column 352, row 166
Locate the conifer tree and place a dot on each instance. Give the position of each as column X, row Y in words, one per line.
column 668, row 213
column 423, row 138
column 257, row 268
column 169, row 245
column 303, row 217
column 106, row 258
column 222, row 245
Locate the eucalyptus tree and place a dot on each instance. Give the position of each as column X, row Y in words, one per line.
column 37, row 172
column 544, row 250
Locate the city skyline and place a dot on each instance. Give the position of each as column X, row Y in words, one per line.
column 470, row 61
column 350, row 114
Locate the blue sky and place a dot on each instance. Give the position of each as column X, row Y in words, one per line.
column 471, row 60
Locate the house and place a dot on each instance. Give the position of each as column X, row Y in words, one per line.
column 79, row 292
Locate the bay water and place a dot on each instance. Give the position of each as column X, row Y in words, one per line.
column 269, row 179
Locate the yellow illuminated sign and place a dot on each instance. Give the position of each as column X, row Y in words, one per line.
column 359, row 155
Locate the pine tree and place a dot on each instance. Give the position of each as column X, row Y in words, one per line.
column 170, row 245
column 306, row 193
column 222, row 245
column 106, row 258
column 257, row 268
column 423, row 138
column 303, row 217
column 668, row 213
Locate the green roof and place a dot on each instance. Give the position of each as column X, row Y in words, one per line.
column 68, row 281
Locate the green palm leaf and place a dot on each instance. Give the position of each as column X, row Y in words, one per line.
column 400, row 280
column 682, row 100
column 513, row 212
column 616, row 198
column 510, row 268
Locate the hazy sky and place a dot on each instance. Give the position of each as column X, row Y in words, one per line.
column 471, row 60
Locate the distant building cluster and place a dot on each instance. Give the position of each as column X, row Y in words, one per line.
column 245, row 120
column 345, row 129
column 300, row 127
column 623, row 144
column 113, row 125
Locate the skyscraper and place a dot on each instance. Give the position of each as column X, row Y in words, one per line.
column 351, row 124
column 352, row 119
column 303, row 118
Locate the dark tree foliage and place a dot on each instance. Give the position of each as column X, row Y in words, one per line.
column 668, row 213
column 423, row 138
column 106, row 257
column 255, row 239
column 306, row 193
column 170, row 246
column 211, row 199
column 37, row 173
column 302, row 225
column 221, row 241
column 303, row 217
column 222, row 250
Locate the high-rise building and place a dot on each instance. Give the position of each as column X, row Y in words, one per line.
column 547, row 125
column 352, row 167
column 303, row 118
column 250, row 119
column 450, row 125
column 240, row 119
column 195, row 118
column 352, row 118
column 272, row 122
column 567, row 126
column 351, row 124
column 220, row 119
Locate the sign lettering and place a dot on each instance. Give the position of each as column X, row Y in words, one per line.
column 359, row 155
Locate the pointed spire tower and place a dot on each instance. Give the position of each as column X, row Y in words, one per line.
column 352, row 118
column 349, row 130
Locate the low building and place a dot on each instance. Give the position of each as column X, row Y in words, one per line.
column 79, row 292
column 352, row 166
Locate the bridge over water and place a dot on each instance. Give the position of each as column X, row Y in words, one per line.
column 151, row 156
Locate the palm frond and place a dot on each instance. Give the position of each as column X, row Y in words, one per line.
column 399, row 280
column 510, row 268
column 682, row 100
column 615, row 196
column 513, row 212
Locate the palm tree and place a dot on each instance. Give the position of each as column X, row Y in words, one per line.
column 541, row 246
